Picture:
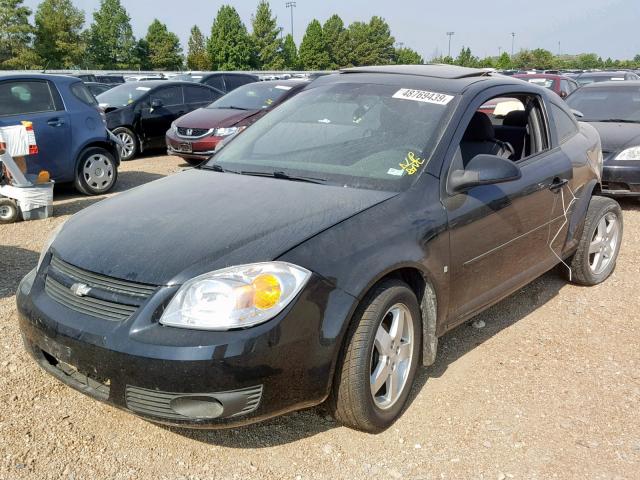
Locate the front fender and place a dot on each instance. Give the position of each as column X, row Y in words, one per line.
column 576, row 221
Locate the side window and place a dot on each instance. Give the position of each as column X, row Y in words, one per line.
column 29, row 96
column 565, row 125
column 509, row 127
column 235, row 81
column 565, row 89
column 216, row 82
column 82, row 93
column 169, row 96
column 197, row 95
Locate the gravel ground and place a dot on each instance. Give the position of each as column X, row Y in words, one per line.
column 549, row 388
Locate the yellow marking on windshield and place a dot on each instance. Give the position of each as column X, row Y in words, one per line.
column 411, row 163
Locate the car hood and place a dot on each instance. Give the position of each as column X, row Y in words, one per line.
column 617, row 136
column 198, row 221
column 214, row 117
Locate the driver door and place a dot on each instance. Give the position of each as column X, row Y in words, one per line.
column 500, row 234
column 155, row 121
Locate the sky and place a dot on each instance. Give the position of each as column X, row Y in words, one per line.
column 606, row 27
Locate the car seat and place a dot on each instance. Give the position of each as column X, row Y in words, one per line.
column 480, row 138
column 514, row 131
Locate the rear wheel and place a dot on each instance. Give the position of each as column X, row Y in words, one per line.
column 599, row 245
column 380, row 359
column 129, row 148
column 9, row 212
column 97, row 172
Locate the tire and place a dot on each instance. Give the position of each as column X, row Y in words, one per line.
column 599, row 245
column 131, row 148
column 353, row 401
column 97, row 171
column 9, row 212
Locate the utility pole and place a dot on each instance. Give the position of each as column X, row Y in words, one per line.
column 499, row 51
column 450, row 34
column 559, row 48
column 291, row 5
column 513, row 43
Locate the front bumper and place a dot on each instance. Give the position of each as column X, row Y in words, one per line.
column 621, row 178
column 191, row 148
column 185, row 377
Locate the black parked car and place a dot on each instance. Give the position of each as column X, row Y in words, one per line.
column 98, row 88
column 222, row 81
column 110, row 79
column 321, row 253
column 613, row 108
column 140, row 113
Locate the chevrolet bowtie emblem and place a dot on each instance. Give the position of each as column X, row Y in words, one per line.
column 80, row 289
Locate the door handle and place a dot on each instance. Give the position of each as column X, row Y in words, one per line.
column 557, row 184
column 55, row 122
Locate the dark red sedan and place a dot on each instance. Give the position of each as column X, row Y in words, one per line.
column 560, row 84
column 194, row 136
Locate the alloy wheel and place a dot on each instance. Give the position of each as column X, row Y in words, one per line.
column 604, row 243
column 128, row 144
column 391, row 356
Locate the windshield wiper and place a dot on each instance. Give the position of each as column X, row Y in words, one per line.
column 216, row 168
column 234, row 107
column 284, row 176
column 616, row 120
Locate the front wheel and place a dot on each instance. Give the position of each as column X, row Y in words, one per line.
column 9, row 212
column 380, row 360
column 129, row 147
column 600, row 243
column 97, row 172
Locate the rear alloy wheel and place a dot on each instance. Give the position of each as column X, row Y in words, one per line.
column 129, row 147
column 380, row 359
column 9, row 212
column 599, row 245
column 97, row 172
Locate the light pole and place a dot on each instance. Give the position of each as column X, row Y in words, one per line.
column 499, row 51
column 291, row 5
column 450, row 34
column 513, row 43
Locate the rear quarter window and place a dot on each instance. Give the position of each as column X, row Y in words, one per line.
column 26, row 96
column 566, row 126
column 82, row 93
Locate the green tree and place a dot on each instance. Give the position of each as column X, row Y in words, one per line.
column 110, row 42
column 58, row 38
column 229, row 46
column 197, row 57
column 313, row 53
column 407, row 56
column 266, row 38
column 542, row 59
column 587, row 61
column 522, row 60
column 371, row 43
column 16, row 36
column 141, row 60
column 466, row 58
column 290, row 53
column 504, row 62
column 165, row 51
column 336, row 40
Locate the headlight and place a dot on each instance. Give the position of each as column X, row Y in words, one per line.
column 632, row 153
column 225, row 132
column 235, row 297
column 174, row 127
column 48, row 243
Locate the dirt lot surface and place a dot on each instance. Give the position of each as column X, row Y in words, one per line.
column 549, row 388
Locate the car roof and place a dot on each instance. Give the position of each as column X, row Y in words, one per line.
column 160, row 83
column 550, row 76
column 53, row 77
column 614, row 83
column 605, row 73
column 286, row 83
column 449, row 72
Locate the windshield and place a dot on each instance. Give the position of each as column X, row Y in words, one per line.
column 355, row 135
column 253, row 96
column 586, row 80
column 122, row 95
column 607, row 103
column 187, row 77
column 542, row 82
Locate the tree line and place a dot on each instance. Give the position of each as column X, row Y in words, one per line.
column 57, row 39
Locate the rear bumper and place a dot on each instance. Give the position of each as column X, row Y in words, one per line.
column 621, row 178
column 185, row 377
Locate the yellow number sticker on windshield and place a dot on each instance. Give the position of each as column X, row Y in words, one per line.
column 411, row 163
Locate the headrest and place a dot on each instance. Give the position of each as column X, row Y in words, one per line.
column 480, row 129
column 515, row 118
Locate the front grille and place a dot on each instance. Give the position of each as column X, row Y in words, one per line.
column 104, row 297
column 158, row 404
column 87, row 305
column 194, row 132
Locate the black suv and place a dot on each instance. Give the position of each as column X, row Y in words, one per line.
column 320, row 254
column 224, row 82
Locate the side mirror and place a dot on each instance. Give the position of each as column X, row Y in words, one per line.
column 484, row 170
column 564, row 94
column 156, row 103
column 577, row 113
